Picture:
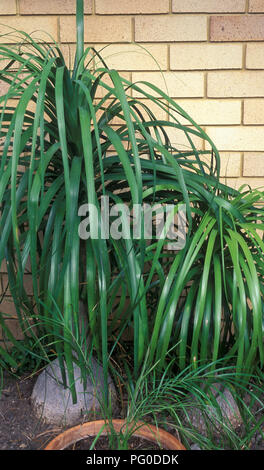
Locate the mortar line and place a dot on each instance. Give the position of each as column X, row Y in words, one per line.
column 242, row 155
column 247, row 6
column 205, row 84
column 244, row 53
column 133, row 29
column 168, row 57
column 59, row 32
column 208, row 29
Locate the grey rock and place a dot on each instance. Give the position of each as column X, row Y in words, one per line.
column 224, row 412
column 195, row 447
column 53, row 404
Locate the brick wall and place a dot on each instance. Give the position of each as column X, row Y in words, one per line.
column 210, row 52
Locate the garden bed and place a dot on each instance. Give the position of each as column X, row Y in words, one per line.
column 21, row 430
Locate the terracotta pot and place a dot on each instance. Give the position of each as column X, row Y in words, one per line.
column 92, row 428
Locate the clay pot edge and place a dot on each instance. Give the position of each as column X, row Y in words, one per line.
column 92, row 428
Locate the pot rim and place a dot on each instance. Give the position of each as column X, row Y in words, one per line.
column 92, row 428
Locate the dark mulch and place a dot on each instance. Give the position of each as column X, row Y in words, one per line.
column 19, row 427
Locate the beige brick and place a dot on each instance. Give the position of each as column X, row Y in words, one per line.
column 254, row 111
column 171, row 28
column 234, row 183
column 30, row 107
column 15, row 329
column 4, row 87
column 4, row 62
column 255, row 56
column 235, row 84
column 246, row 182
column 116, row 121
column 7, row 7
column 97, row 29
column 211, row 112
column 101, row 91
column 230, row 164
column 7, row 307
column 180, row 141
column 230, row 182
column 41, row 27
column 113, row 7
column 134, row 56
column 159, row 112
column 237, row 28
column 27, row 284
column 256, row 183
column 208, row 6
column 205, row 56
column 3, row 268
column 51, row 7
column 249, row 138
column 69, row 50
column 256, row 6
column 253, row 164
column 175, row 84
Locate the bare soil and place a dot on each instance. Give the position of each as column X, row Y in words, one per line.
column 19, row 427
column 135, row 443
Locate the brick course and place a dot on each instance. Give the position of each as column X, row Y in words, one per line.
column 135, row 7
column 171, row 28
column 204, row 56
column 255, row 56
column 134, row 56
column 181, row 84
column 208, row 6
column 256, row 6
column 52, row 7
column 230, row 164
column 237, row 28
column 42, row 27
column 97, row 29
column 253, row 164
column 8, row 7
column 236, row 84
column 233, row 138
column 254, row 111
column 212, row 112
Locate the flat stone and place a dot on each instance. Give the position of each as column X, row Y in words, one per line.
column 53, row 404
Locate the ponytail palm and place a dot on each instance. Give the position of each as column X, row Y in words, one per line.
column 221, row 272
column 70, row 137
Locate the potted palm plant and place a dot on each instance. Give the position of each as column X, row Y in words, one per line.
column 61, row 151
